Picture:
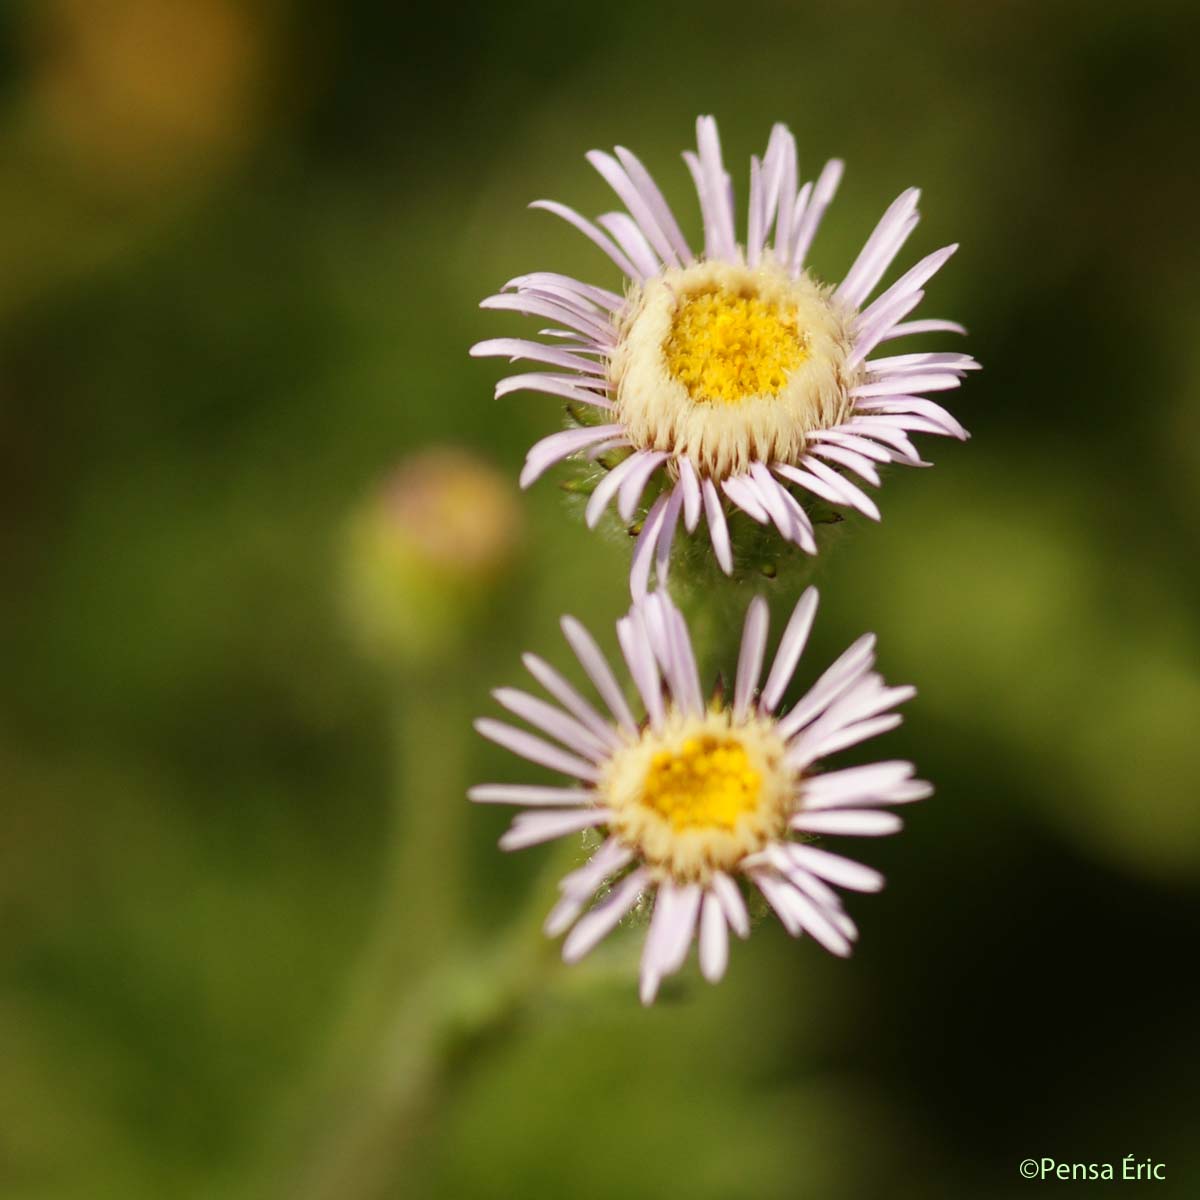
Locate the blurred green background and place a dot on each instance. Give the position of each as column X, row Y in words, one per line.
column 248, row 921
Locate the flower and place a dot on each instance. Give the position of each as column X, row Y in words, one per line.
column 696, row 797
column 733, row 375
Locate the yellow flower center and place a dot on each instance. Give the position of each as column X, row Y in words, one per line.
column 708, row 783
column 727, row 346
column 700, row 793
column 726, row 365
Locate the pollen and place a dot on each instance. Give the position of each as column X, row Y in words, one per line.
column 708, row 783
column 725, row 347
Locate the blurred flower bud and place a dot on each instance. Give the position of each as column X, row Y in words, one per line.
column 425, row 552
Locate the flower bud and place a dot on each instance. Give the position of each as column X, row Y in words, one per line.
column 425, row 552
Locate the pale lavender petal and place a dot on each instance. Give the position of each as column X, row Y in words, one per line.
column 691, row 494
column 714, row 939
column 842, row 871
column 816, row 922
column 755, row 214
column 608, row 860
column 588, row 291
column 598, row 671
column 934, row 381
column 652, row 969
column 880, row 249
column 533, row 828
column 750, row 659
column 787, row 196
column 911, row 281
column 643, row 548
column 608, row 487
column 802, row 530
column 822, row 194
column 535, row 749
column 553, row 385
column 811, row 482
column 635, row 482
column 860, row 445
column 780, row 856
column 594, row 234
column 634, row 201
column 677, row 941
column 867, row 426
column 803, row 198
column 806, row 749
column 854, row 495
column 707, row 219
column 596, row 924
column 914, row 363
column 848, row 822
column 569, row 698
column 672, row 629
column 839, row 677
column 732, row 904
column 791, row 646
column 554, row 722
column 632, row 240
column 597, row 331
column 931, row 326
column 639, row 657
column 718, row 531
column 850, row 459
column 742, row 492
column 777, row 894
column 871, row 331
column 771, row 496
column 662, row 554
column 557, row 446
column 941, row 420
column 855, row 786
column 716, row 185
column 522, row 793
column 659, row 208
column 554, row 356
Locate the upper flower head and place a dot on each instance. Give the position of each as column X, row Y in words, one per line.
column 696, row 796
column 732, row 375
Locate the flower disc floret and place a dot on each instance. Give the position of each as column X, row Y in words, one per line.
column 699, row 793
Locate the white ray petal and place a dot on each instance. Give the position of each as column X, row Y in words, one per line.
column 750, row 658
column 718, row 530
column 593, row 926
column 573, row 734
column 521, row 793
column 533, row 828
column 732, row 904
column 598, row 671
column 558, row 446
column 714, row 939
column 643, row 548
column 791, row 646
column 570, row 699
column 842, row 871
column 593, row 234
column 848, row 822
column 535, row 749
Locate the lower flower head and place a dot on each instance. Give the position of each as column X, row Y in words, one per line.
column 699, row 799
